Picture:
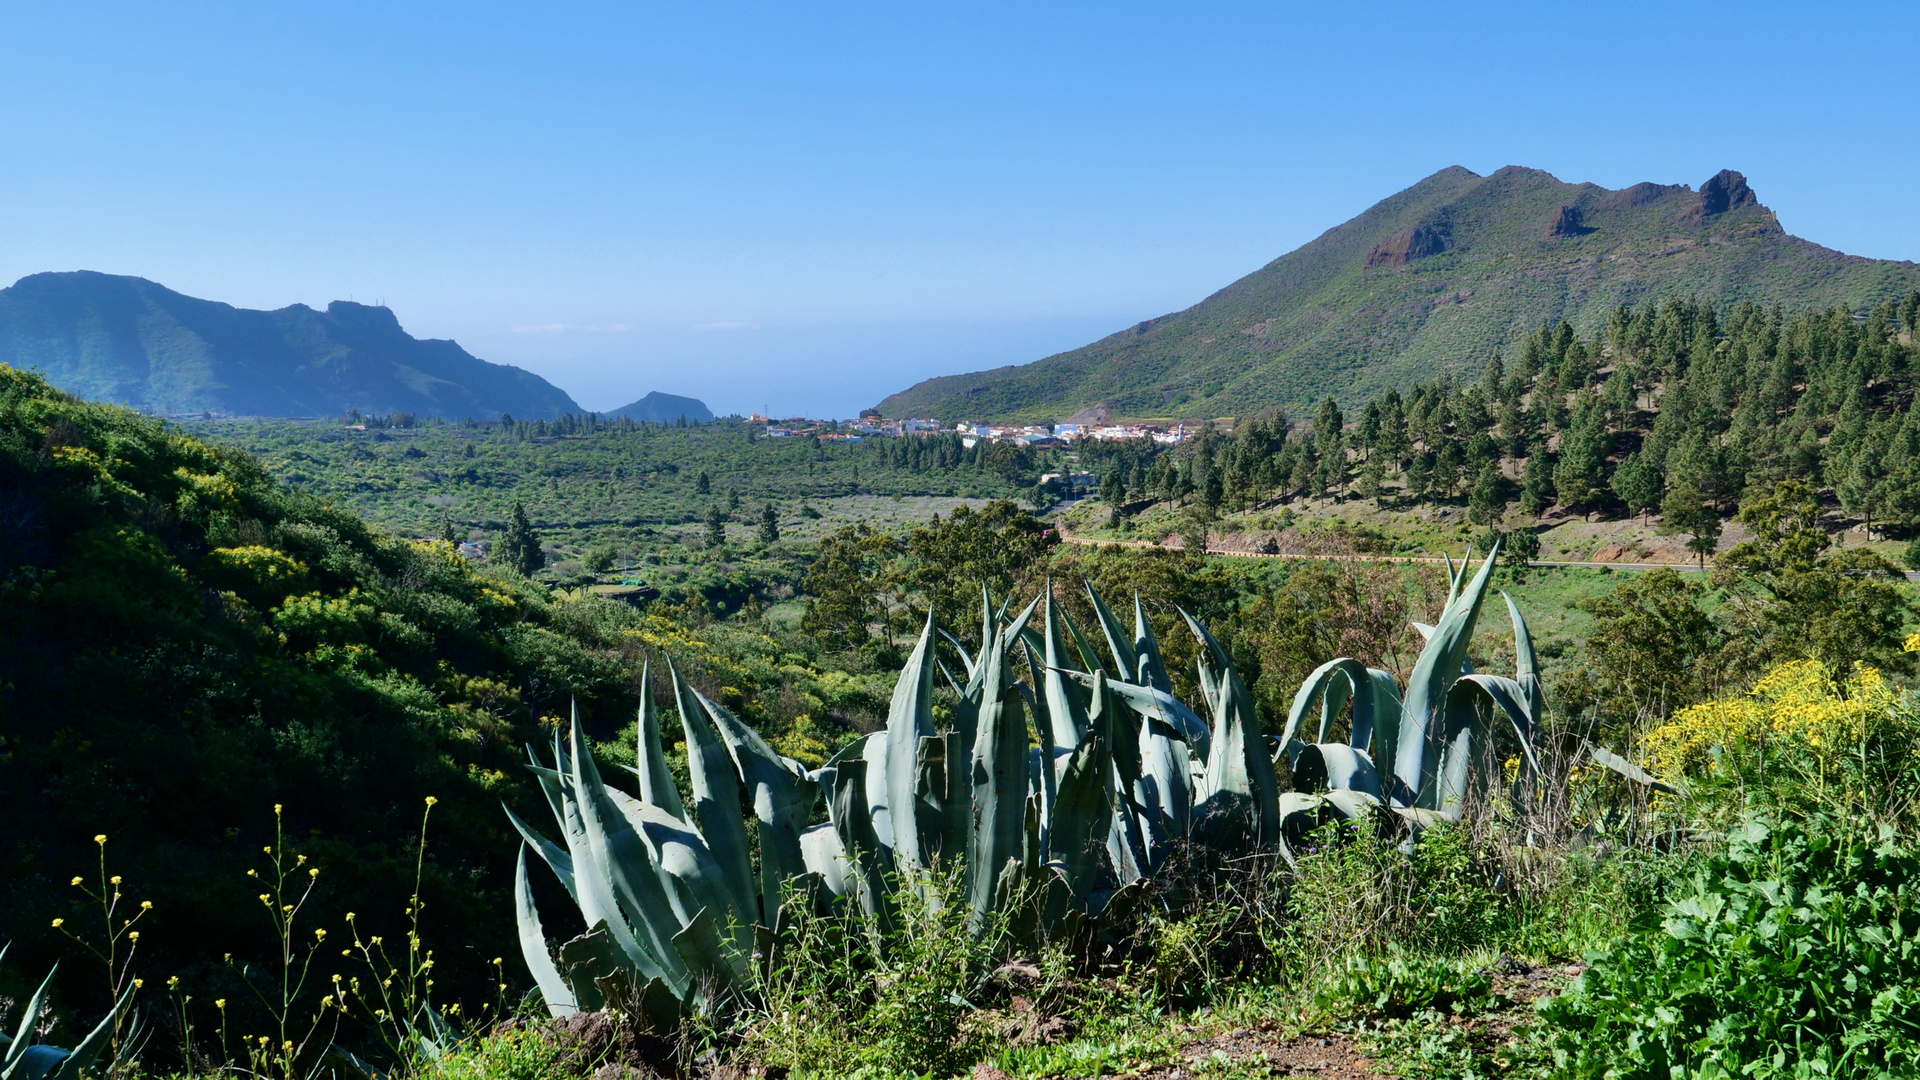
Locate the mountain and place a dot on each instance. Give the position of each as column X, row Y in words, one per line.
column 659, row 408
column 128, row 340
column 1433, row 279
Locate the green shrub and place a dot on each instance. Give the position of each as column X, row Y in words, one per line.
column 1403, row 985
column 874, row 1000
column 1356, row 893
column 1794, row 953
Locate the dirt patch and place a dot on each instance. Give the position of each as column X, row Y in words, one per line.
column 1331, row 1056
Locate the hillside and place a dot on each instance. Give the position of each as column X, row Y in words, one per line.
column 1430, row 280
column 131, row 341
column 659, row 408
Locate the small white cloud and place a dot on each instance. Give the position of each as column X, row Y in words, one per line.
column 543, row 328
column 727, row 326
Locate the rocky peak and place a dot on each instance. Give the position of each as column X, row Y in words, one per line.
column 1567, row 221
column 1725, row 190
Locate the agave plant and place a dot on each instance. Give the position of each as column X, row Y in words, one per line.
column 23, row 1059
column 1063, row 781
column 1052, row 795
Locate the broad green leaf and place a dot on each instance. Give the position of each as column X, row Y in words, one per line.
column 1416, row 759
column 552, row 854
column 533, row 945
column 623, row 880
column 1240, row 780
column 909, row 720
column 998, row 778
column 1066, row 710
column 1082, row 814
column 717, row 797
column 656, row 779
column 692, row 877
column 1126, row 663
column 778, row 803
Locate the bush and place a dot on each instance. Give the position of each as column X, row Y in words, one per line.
column 1795, row 953
column 847, row 996
column 1799, row 744
column 1356, row 894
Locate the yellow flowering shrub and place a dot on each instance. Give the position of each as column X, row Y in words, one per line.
column 202, row 493
column 1797, row 703
column 257, row 573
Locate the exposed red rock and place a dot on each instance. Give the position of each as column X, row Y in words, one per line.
column 1407, row 245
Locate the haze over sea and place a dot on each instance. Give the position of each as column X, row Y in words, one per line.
column 789, row 208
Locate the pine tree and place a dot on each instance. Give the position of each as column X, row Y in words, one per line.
column 1373, row 477
column 1638, row 484
column 520, row 547
column 1487, row 502
column 769, row 524
column 703, row 483
column 716, row 526
column 1580, row 476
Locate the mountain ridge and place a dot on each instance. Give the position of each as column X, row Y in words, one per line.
column 126, row 339
column 1432, row 278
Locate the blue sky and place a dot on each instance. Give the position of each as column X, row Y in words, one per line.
column 807, row 206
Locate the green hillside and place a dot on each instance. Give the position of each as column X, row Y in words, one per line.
column 130, row 341
column 1430, row 280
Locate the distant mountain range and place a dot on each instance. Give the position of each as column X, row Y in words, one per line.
column 128, row 340
column 661, row 408
column 1435, row 278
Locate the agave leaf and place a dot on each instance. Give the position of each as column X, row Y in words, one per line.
column 1463, row 750
column 1379, row 733
column 1089, row 659
column 778, row 803
column 1165, row 791
column 1082, row 812
column 704, row 952
column 1160, row 707
column 1240, row 781
column 876, row 757
column 1066, row 712
column 909, row 720
column 1509, row 696
column 90, row 1048
column 930, row 797
column 618, row 873
column 965, row 657
column 1152, row 669
column 1416, row 760
column 533, row 946
column 823, row 854
column 656, row 779
column 1018, row 627
column 1425, row 629
column 1351, row 675
column 1334, row 702
column 1526, row 667
column 869, row 861
column 551, row 853
column 593, row 965
column 717, row 797
column 1325, row 767
column 1126, row 663
column 1118, row 725
column 998, row 779
column 23, row 1036
column 692, row 877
